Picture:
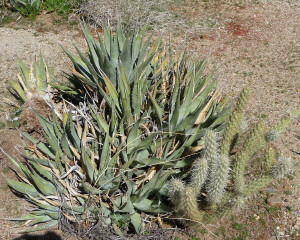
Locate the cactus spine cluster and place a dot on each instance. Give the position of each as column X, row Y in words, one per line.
column 218, row 180
column 269, row 159
column 211, row 172
column 280, row 169
column 199, row 174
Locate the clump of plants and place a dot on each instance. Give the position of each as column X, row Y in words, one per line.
column 32, row 8
column 28, row 8
column 142, row 133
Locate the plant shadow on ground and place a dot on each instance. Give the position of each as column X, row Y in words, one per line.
column 46, row 236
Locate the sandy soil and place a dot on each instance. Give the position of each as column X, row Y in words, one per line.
column 252, row 44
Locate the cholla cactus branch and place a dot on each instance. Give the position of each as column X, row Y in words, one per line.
column 233, row 126
column 218, row 180
column 211, row 146
column 275, row 132
column 282, row 168
column 230, row 132
column 257, row 184
column 253, row 142
column 243, row 100
column 280, row 127
column 269, row 159
column 191, row 210
column 199, row 174
column 177, row 194
column 211, row 149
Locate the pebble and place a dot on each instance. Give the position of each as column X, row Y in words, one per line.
column 270, row 190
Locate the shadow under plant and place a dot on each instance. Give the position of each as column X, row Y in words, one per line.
column 46, row 236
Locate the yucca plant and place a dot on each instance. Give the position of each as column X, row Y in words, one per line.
column 220, row 174
column 88, row 176
column 34, row 81
column 104, row 58
column 34, row 91
column 110, row 160
column 80, row 176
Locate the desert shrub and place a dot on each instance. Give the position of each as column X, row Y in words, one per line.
column 134, row 14
column 142, row 138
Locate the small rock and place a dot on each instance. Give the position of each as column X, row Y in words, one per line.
column 281, row 233
column 270, row 190
column 274, row 201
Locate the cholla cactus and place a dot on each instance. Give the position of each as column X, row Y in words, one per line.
column 223, row 195
column 211, row 152
column 191, row 205
column 257, row 184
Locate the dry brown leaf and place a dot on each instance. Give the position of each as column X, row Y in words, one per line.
column 205, row 109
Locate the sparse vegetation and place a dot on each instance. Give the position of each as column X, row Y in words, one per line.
column 32, row 8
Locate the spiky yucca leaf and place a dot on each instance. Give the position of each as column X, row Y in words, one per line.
column 34, row 81
column 105, row 58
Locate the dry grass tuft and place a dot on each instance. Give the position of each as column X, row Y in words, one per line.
column 134, row 14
